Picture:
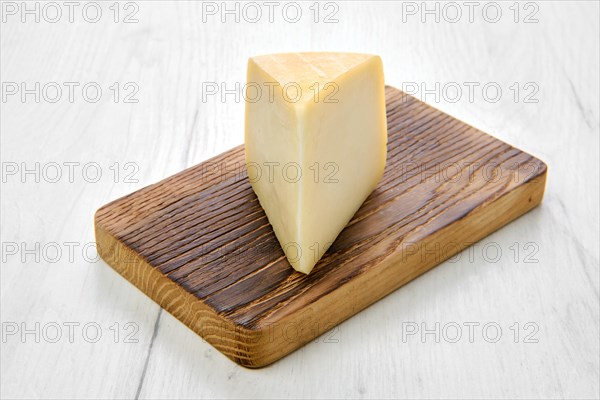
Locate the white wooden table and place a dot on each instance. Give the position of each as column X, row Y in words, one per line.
column 524, row 300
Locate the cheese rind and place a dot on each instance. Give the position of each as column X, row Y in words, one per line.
column 315, row 141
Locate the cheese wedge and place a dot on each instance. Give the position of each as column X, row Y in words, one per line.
column 315, row 141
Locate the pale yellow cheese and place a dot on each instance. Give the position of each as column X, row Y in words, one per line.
column 315, row 140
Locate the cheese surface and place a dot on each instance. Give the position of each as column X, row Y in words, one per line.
column 315, row 142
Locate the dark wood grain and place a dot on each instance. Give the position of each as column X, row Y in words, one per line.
column 200, row 245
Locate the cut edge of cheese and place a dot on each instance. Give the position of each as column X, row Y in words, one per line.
column 289, row 70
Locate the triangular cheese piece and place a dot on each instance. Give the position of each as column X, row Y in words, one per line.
column 315, row 143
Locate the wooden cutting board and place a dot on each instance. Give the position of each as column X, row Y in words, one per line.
column 199, row 244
